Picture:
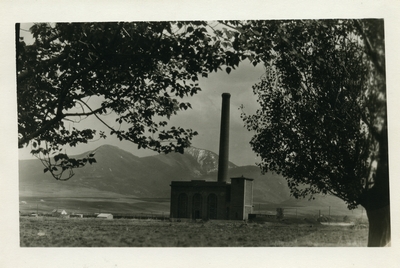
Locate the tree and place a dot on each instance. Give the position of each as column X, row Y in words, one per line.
column 322, row 121
column 138, row 71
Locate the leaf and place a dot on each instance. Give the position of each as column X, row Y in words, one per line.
column 183, row 106
column 92, row 160
column 228, row 70
column 60, row 156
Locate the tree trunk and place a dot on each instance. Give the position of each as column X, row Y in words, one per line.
column 376, row 202
column 379, row 227
column 377, row 199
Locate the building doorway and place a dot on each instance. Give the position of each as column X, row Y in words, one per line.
column 182, row 205
column 212, row 206
column 197, row 206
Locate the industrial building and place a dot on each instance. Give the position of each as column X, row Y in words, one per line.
column 220, row 200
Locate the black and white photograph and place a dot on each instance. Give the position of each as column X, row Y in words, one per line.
column 231, row 134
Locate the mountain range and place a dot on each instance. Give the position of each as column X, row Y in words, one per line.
column 120, row 174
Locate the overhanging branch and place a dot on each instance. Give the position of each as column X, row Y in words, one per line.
column 40, row 131
column 104, row 123
column 43, row 64
column 92, row 112
column 59, row 115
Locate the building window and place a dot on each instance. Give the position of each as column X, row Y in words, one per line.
column 182, row 205
column 212, row 206
column 197, row 203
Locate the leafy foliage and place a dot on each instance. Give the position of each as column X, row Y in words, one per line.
column 137, row 71
column 322, row 116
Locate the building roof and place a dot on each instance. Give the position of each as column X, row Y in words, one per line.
column 242, row 178
column 206, row 183
column 101, row 215
column 59, row 210
column 198, row 183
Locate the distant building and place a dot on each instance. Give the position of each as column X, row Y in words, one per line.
column 212, row 199
column 105, row 216
column 59, row 213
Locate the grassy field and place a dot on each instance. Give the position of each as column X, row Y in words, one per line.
column 93, row 204
column 86, row 232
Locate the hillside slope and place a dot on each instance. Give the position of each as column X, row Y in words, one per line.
column 120, row 174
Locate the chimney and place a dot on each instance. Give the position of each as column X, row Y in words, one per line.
column 224, row 140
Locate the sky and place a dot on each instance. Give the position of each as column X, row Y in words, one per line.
column 204, row 117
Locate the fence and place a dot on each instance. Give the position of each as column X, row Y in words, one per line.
column 328, row 213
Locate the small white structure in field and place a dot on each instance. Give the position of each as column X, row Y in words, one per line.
column 107, row 216
column 59, row 213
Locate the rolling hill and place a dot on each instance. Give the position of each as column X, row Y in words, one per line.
column 118, row 174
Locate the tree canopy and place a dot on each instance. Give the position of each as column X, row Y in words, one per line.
column 322, row 121
column 139, row 71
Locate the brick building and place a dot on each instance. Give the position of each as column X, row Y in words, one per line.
column 212, row 199
column 199, row 199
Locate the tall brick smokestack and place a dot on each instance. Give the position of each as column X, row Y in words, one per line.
column 224, row 139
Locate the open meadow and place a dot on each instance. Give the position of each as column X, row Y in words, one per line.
column 92, row 232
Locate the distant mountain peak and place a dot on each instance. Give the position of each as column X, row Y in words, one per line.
column 107, row 147
column 206, row 159
column 200, row 154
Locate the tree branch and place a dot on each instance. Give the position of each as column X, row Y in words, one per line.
column 369, row 50
column 375, row 133
column 66, row 88
column 84, row 114
column 38, row 132
column 43, row 64
column 233, row 28
column 59, row 115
